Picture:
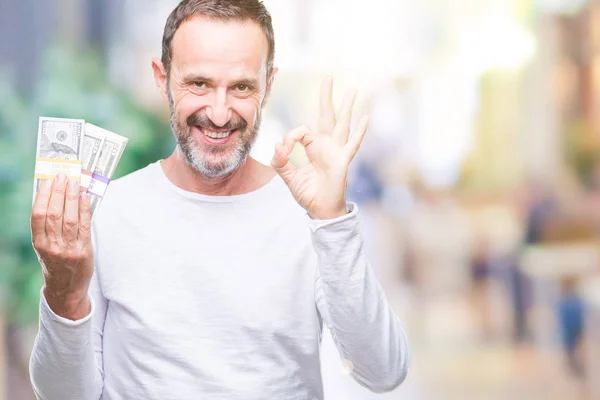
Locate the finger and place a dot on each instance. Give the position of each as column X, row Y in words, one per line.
column 56, row 207
column 38, row 212
column 282, row 165
column 85, row 218
column 302, row 134
column 357, row 137
column 326, row 111
column 342, row 128
column 70, row 228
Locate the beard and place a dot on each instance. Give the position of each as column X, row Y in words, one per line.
column 213, row 161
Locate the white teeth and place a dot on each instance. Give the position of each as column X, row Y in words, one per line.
column 216, row 135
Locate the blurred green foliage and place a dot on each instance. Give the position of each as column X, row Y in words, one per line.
column 74, row 84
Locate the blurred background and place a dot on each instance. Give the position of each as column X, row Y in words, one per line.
column 479, row 179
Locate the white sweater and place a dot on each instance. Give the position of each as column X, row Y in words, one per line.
column 217, row 297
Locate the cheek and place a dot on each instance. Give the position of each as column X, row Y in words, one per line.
column 187, row 104
column 248, row 109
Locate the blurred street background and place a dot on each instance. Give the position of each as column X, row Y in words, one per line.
column 478, row 181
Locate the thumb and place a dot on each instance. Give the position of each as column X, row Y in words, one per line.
column 281, row 164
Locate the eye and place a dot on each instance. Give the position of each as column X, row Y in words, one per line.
column 242, row 88
column 199, row 84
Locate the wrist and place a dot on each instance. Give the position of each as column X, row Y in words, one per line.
column 73, row 305
column 329, row 214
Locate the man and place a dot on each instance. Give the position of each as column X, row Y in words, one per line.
column 208, row 275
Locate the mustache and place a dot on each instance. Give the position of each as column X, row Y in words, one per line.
column 201, row 119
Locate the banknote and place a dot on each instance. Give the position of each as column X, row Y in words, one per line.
column 110, row 154
column 60, row 138
column 93, row 139
column 59, row 148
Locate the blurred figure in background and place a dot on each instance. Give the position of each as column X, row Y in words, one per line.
column 570, row 317
column 481, row 285
column 539, row 208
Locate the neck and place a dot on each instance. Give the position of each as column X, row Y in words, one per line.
column 250, row 176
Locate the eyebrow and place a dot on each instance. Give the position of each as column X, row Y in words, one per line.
column 201, row 78
column 247, row 81
column 196, row 78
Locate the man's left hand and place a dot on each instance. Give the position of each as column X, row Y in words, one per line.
column 320, row 185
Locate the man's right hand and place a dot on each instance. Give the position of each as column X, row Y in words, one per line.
column 61, row 236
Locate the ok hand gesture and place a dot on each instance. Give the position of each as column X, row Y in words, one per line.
column 320, row 186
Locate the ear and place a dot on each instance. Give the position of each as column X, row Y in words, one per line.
column 160, row 77
column 269, row 85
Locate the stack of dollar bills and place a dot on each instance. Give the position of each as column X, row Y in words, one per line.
column 79, row 150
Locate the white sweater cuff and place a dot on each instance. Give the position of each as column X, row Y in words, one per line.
column 52, row 318
column 342, row 223
column 339, row 246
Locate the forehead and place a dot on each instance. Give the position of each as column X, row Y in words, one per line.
column 219, row 47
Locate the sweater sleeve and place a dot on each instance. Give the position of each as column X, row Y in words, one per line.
column 369, row 336
column 66, row 360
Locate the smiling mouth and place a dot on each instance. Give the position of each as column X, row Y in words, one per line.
column 216, row 134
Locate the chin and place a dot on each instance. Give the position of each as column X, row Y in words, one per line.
column 212, row 168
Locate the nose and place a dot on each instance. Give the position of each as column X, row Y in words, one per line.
column 219, row 111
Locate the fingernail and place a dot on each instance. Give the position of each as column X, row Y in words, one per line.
column 72, row 183
column 61, row 178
